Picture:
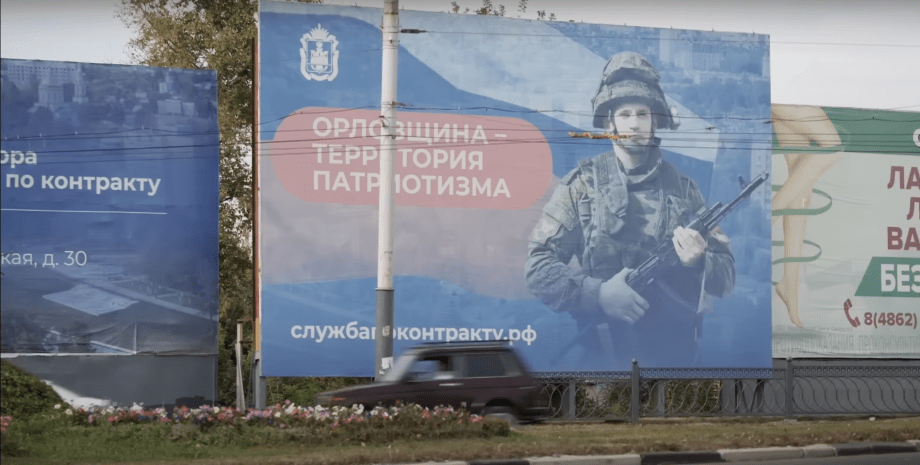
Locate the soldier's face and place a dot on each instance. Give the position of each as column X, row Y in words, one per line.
column 635, row 121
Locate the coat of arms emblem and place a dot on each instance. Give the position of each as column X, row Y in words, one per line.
column 319, row 55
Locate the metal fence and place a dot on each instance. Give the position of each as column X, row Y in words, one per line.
column 791, row 389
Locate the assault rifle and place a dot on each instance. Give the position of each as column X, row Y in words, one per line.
column 670, row 306
column 665, row 256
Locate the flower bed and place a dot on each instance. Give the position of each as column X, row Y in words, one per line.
column 279, row 423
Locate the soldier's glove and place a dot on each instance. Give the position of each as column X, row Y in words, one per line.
column 618, row 300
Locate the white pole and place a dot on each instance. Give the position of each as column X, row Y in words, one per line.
column 384, row 338
column 240, row 394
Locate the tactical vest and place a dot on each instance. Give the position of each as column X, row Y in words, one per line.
column 602, row 213
column 666, row 333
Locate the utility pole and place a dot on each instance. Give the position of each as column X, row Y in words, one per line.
column 258, row 382
column 383, row 358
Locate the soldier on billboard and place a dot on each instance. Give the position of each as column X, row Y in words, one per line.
column 611, row 212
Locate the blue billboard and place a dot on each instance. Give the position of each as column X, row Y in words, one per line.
column 109, row 210
column 538, row 166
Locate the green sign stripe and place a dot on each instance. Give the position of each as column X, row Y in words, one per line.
column 798, row 259
column 804, row 211
column 867, row 131
column 873, row 279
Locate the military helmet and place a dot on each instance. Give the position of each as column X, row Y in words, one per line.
column 630, row 77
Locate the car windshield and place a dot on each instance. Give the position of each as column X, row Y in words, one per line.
column 399, row 369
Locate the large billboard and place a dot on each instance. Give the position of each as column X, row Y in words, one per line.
column 109, row 210
column 537, row 164
column 845, row 225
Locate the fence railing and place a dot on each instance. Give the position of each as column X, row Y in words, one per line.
column 795, row 389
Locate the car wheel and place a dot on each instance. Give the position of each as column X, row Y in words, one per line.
column 505, row 413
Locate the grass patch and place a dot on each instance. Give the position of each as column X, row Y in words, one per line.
column 112, row 435
column 22, row 394
column 415, row 441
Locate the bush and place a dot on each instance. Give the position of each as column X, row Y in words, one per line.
column 23, row 395
column 303, row 391
column 116, row 434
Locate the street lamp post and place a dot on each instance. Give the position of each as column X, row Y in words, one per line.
column 383, row 359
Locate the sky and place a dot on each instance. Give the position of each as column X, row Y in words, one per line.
column 839, row 53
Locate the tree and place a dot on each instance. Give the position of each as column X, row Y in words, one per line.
column 218, row 35
column 489, row 9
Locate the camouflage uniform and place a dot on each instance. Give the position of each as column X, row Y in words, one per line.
column 610, row 218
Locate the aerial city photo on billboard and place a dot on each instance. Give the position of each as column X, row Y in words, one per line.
column 593, row 194
column 109, row 209
column 846, row 220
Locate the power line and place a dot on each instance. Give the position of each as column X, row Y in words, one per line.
column 676, row 140
column 754, row 38
column 905, row 149
column 863, row 138
column 916, row 105
column 705, row 135
column 124, row 133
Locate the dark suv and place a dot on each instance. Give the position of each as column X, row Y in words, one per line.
column 486, row 378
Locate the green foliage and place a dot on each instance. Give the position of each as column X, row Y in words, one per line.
column 668, row 397
column 302, row 391
column 698, row 396
column 351, row 436
column 489, row 8
column 120, row 435
column 495, row 427
column 218, row 35
column 23, row 395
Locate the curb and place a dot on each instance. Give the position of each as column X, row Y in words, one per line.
column 656, row 458
column 623, row 459
column 765, row 453
column 721, row 455
column 874, row 448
